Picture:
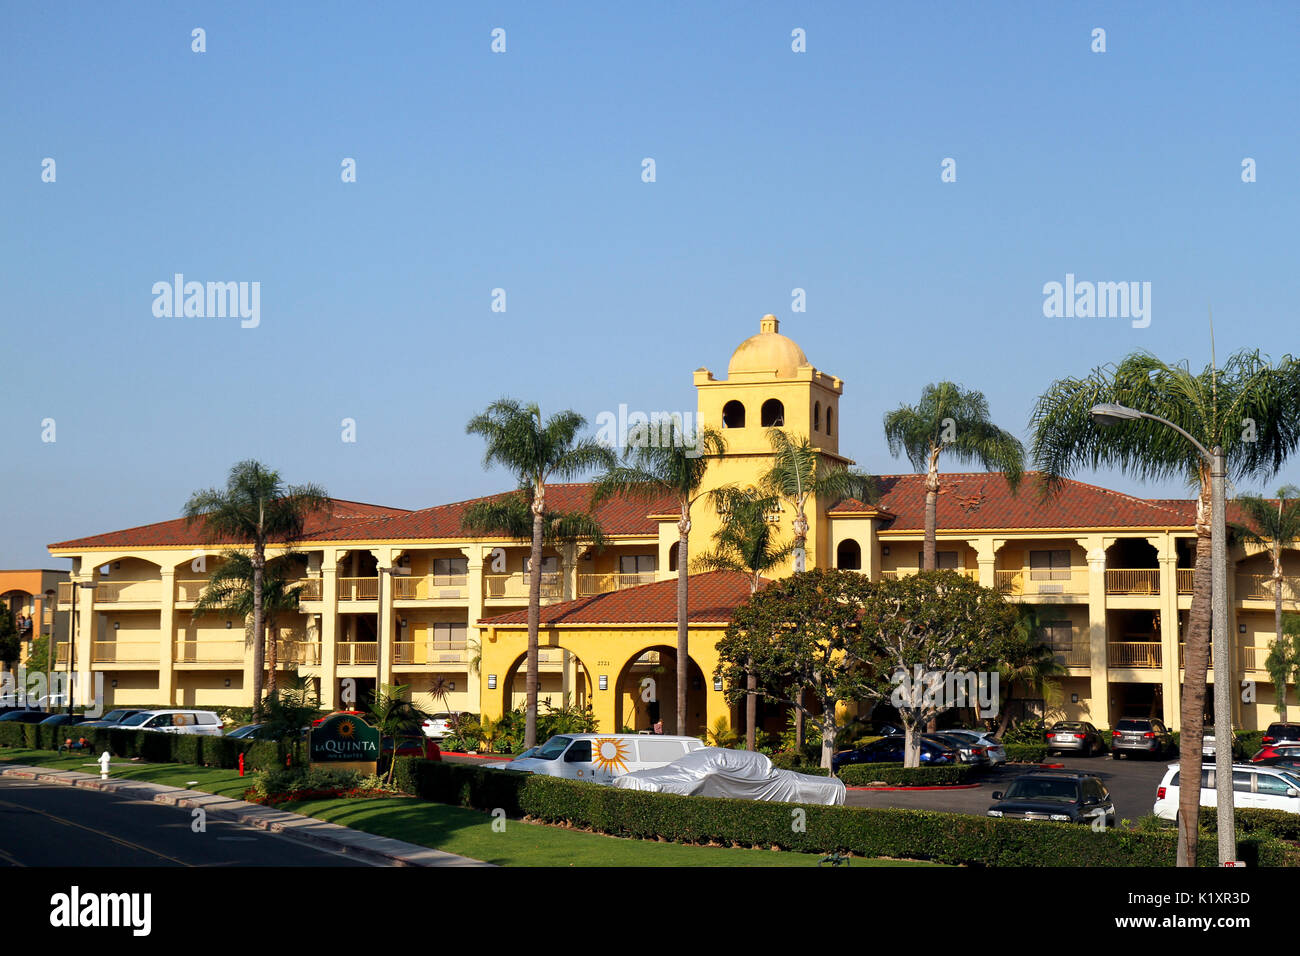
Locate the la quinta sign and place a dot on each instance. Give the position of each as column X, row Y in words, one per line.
column 345, row 742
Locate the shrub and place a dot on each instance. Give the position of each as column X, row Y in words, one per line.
column 896, row 775
column 1026, row 753
column 287, row 780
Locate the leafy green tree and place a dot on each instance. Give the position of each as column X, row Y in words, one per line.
column 10, row 642
column 673, row 469
column 955, row 421
column 536, row 453
column 1249, row 408
column 800, row 633
column 395, row 717
column 933, row 624
column 291, row 707
column 1283, row 661
column 257, row 509
column 1275, row 527
column 229, row 590
column 746, row 542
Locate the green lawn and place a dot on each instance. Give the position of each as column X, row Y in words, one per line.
column 453, row 829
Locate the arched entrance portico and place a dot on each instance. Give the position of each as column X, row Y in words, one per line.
column 646, row 692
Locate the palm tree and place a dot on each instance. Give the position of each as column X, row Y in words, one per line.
column 1277, row 528
column 799, row 472
column 258, row 509
column 395, row 717
column 1284, row 659
column 536, row 452
column 675, row 469
column 1249, row 408
column 229, row 589
column 746, row 542
column 951, row 419
column 1034, row 667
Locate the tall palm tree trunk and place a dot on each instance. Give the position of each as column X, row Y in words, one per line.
column 534, row 620
column 273, row 654
column 1196, row 663
column 929, row 560
column 1280, row 690
column 259, row 646
column 683, row 631
column 751, row 708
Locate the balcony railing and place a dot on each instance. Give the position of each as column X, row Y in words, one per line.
column 1259, row 587
column 430, row 587
column 359, row 589
column 124, row 652
column 1075, row 654
column 116, row 592
column 1185, row 578
column 428, row 652
column 1132, row 580
column 972, row 573
column 1031, row 581
column 187, row 592
column 1145, row 654
column 603, row 583
column 210, row 652
column 515, row 586
column 309, row 589
column 357, row 652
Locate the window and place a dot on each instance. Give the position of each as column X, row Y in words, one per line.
column 943, row 560
column 1241, row 782
column 580, row 752
column 553, row 748
column 162, row 720
column 445, row 569
column 1275, row 786
column 183, row 720
column 733, row 415
column 636, row 564
column 1059, row 634
column 654, row 751
column 849, row 555
column 773, row 414
column 817, row 415
column 449, row 636
column 1049, row 565
column 672, row 556
column 830, row 412
column 550, row 565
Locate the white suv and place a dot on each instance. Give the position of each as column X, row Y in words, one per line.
column 203, row 722
column 1263, row 788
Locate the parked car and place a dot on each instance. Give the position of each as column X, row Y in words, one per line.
column 505, row 764
column 890, row 750
column 25, row 716
column 203, row 722
column 412, row 747
column 968, row 751
column 439, row 725
column 1280, row 731
column 1209, row 747
column 62, row 720
column 250, row 732
column 112, row 718
column 1140, row 735
column 1253, row 786
column 1074, row 736
column 1279, row 753
column 599, row 758
column 993, row 748
column 734, row 774
column 1062, row 796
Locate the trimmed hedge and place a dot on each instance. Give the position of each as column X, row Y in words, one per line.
column 197, row 749
column 1026, row 753
column 1250, row 820
column 896, row 775
column 901, row 834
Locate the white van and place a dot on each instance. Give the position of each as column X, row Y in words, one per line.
column 599, row 758
column 1258, row 787
column 175, row 722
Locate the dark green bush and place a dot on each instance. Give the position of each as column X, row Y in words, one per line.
column 900, row 834
column 188, row 748
column 290, row 779
column 221, row 752
column 896, row 775
column 1026, row 753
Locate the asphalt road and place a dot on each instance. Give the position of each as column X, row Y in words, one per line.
column 54, row 825
column 1131, row 781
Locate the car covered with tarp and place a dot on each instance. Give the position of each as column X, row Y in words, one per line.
column 737, row 774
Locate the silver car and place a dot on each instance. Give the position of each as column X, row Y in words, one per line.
column 993, row 749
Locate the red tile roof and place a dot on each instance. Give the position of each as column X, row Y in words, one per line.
column 178, row 532
column 712, row 597
column 983, row 501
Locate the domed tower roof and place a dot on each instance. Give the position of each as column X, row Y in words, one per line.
column 768, row 351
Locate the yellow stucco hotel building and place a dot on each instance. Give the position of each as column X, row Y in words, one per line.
column 398, row 596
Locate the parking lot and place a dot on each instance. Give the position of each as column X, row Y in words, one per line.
column 1132, row 784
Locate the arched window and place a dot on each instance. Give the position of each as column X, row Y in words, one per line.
column 830, row 420
column 817, row 415
column 848, row 555
column 773, row 414
column 733, row 415
column 672, row 556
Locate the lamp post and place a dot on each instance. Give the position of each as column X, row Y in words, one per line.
column 1111, row 414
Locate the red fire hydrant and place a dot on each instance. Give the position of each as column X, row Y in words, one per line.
column 241, row 765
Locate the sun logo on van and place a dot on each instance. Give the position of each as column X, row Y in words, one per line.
column 609, row 754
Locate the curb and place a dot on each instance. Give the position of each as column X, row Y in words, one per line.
column 304, row 829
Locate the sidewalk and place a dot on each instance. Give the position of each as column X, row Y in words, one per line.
column 365, row 846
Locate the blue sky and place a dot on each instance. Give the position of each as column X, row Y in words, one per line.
column 522, row 171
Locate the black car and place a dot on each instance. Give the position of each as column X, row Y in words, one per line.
column 890, row 750
column 62, row 720
column 1065, row 797
column 1278, row 732
column 1140, row 735
column 25, row 716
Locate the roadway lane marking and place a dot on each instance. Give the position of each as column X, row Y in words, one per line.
column 103, row 833
column 12, row 861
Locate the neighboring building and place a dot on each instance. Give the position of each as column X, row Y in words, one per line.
column 406, row 597
column 30, row 597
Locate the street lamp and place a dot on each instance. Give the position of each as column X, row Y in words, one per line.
column 1112, row 414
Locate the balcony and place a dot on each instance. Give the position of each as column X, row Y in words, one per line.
column 359, row 589
column 1185, row 578
column 290, row 653
column 363, row 653
column 1077, row 653
column 187, row 592
column 514, row 587
column 431, row 587
column 416, row 653
column 589, row 584
column 1028, row 582
column 124, row 652
column 210, row 652
column 1136, row 654
column 1259, row 587
column 309, row 589
column 1133, row 581
column 116, row 592
column 972, row 573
